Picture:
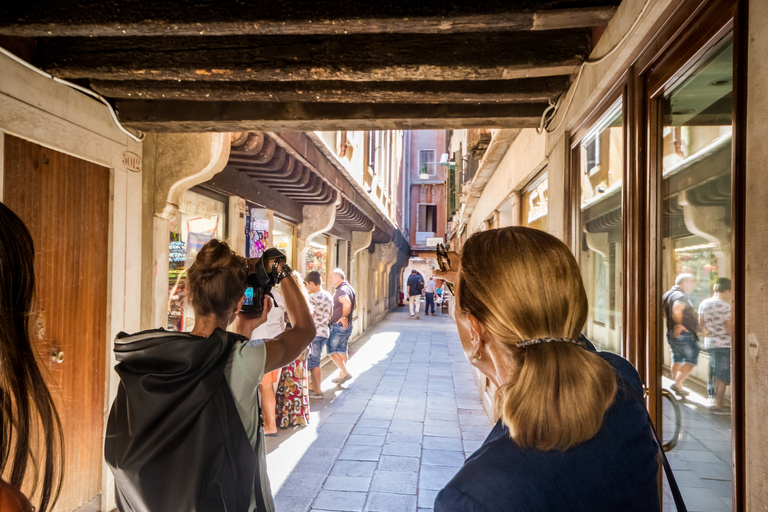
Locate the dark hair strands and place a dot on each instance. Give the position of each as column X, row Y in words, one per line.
column 32, row 439
column 524, row 284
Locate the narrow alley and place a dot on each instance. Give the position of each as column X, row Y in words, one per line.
column 393, row 436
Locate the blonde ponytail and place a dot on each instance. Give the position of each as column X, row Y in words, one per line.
column 524, row 284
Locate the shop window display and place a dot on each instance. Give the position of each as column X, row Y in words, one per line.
column 282, row 234
column 317, row 257
column 200, row 218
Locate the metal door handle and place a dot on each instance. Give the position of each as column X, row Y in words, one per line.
column 57, row 356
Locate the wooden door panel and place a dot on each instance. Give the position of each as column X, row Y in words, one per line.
column 64, row 202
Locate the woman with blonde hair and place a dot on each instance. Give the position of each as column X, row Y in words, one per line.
column 573, row 433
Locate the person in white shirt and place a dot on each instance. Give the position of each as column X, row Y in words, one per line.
column 429, row 294
column 715, row 320
column 322, row 308
column 274, row 325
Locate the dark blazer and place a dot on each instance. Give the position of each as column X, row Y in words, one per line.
column 614, row 471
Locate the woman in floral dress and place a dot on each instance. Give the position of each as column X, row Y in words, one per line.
column 292, row 408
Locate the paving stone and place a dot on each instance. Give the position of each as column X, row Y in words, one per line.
column 427, row 498
column 302, row 484
column 387, row 502
column 370, row 431
column 396, row 482
column 397, row 463
column 436, row 477
column 347, row 483
column 443, row 443
column 366, row 440
column 442, row 458
column 297, row 503
column 354, row 468
column 357, row 452
column 340, row 500
column 402, row 449
column 347, row 419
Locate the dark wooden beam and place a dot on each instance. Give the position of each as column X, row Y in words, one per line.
column 342, row 91
column 382, row 57
column 207, row 116
column 233, row 182
column 299, row 17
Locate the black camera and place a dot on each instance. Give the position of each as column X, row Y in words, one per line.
column 259, row 283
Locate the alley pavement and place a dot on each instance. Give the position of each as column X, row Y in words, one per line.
column 392, row 437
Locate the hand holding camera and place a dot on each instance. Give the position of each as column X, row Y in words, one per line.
column 264, row 273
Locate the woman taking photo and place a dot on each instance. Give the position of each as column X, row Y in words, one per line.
column 573, row 433
column 31, row 439
column 185, row 432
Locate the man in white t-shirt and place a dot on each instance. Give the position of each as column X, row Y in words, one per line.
column 716, row 323
column 429, row 295
column 322, row 308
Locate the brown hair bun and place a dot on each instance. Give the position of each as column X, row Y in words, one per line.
column 217, row 279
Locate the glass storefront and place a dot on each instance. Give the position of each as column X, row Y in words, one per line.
column 201, row 217
column 317, row 257
column 601, row 167
column 282, row 234
column 694, row 141
column 534, row 203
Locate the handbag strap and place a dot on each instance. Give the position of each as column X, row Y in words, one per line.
column 678, row 497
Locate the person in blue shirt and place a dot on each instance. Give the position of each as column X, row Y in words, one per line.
column 573, row 433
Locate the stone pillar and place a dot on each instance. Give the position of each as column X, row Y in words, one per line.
column 172, row 164
column 558, row 194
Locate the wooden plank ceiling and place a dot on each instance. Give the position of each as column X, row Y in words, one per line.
column 314, row 65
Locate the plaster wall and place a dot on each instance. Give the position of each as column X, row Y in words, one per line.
column 520, row 163
column 53, row 115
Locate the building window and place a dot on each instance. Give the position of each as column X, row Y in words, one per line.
column 427, row 163
column 534, row 203
column 600, row 163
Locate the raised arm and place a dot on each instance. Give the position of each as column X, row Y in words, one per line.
column 288, row 345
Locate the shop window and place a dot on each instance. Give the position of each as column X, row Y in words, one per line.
column 282, row 233
column 600, row 164
column 534, row 203
column 694, row 140
column 201, row 217
column 317, row 257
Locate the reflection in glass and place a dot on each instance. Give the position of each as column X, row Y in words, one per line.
column 601, row 167
column 695, row 156
column 534, row 204
column 282, row 234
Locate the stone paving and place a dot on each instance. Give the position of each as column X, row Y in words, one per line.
column 392, row 437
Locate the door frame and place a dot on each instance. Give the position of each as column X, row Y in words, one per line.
column 689, row 30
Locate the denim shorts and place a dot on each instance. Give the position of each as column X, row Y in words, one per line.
column 720, row 364
column 315, row 351
column 685, row 348
column 339, row 338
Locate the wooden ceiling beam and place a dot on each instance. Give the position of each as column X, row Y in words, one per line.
column 221, row 116
column 524, row 90
column 383, row 57
column 120, row 18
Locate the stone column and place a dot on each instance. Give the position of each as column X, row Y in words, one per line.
column 172, row 163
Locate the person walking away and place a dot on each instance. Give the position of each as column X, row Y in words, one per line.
column 270, row 329
column 32, row 440
column 184, row 431
column 415, row 286
column 322, row 310
column 716, row 323
column 292, row 404
column 344, row 302
column 574, row 434
column 430, row 291
column 681, row 331
column 439, row 295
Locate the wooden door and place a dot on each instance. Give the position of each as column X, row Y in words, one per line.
column 64, row 201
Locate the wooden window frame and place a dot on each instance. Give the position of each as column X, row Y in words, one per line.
column 685, row 32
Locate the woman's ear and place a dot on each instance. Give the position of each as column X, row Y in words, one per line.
column 477, row 334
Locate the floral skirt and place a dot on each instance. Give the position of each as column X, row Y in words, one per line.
column 292, row 407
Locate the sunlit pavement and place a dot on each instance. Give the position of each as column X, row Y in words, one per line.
column 701, row 461
column 393, row 436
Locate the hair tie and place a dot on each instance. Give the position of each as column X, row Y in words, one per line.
column 539, row 341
